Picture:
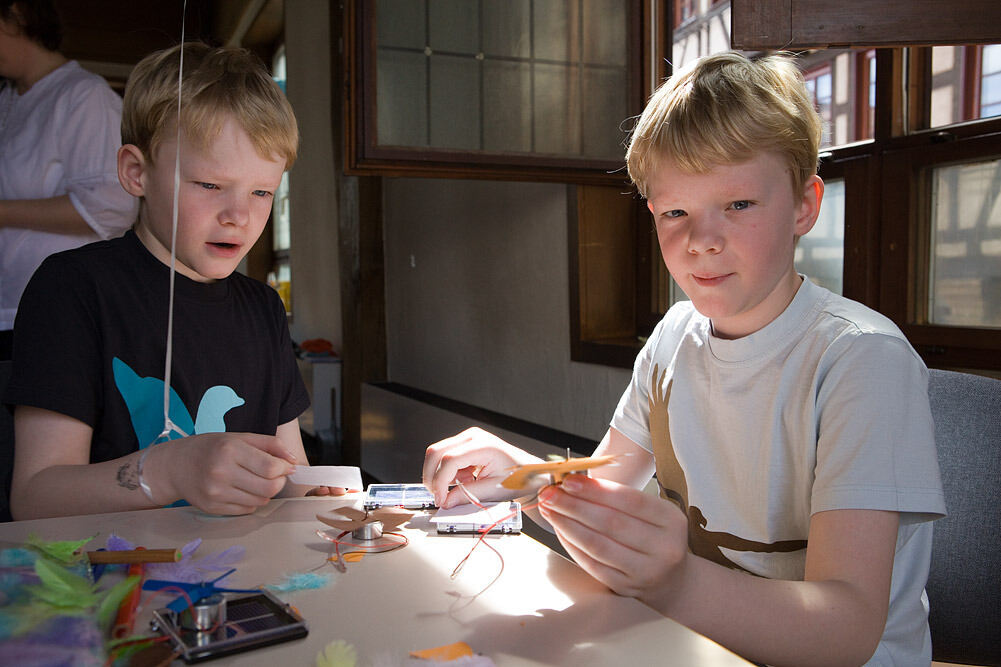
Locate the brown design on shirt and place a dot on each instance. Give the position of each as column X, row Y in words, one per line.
column 674, row 487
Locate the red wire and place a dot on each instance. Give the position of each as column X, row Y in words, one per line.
column 382, row 548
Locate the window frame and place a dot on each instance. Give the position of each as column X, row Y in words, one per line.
column 363, row 156
column 887, row 226
column 905, row 242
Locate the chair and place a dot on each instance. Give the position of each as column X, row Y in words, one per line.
column 6, row 445
column 964, row 583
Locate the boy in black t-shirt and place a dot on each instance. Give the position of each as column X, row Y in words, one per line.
column 91, row 338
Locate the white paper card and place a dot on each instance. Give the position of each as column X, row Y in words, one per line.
column 348, row 477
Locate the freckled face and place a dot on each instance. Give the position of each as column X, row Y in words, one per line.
column 728, row 237
column 226, row 190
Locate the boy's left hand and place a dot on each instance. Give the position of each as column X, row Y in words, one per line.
column 633, row 542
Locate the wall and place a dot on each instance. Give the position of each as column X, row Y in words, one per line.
column 477, row 293
column 316, row 301
column 477, row 302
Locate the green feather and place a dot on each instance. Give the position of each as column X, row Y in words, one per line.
column 337, row 654
column 113, row 599
column 61, row 588
column 64, row 551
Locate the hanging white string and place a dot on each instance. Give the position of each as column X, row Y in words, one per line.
column 168, row 425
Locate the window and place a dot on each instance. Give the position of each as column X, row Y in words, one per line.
column 496, row 88
column 911, row 220
column 280, row 275
column 819, row 83
column 965, row 84
column 865, row 90
column 965, row 251
column 684, row 11
column 990, row 81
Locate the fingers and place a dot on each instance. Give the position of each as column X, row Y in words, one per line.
column 628, row 540
column 269, row 444
column 444, row 460
column 327, row 491
column 232, row 473
column 472, row 454
column 433, row 476
column 591, row 499
column 614, row 578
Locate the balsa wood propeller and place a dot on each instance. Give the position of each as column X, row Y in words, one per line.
column 351, row 519
column 558, row 469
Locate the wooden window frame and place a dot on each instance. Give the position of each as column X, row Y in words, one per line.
column 905, row 243
column 886, row 229
column 364, row 157
column 611, row 309
column 864, row 125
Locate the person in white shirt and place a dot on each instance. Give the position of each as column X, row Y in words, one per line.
column 59, row 138
column 789, row 427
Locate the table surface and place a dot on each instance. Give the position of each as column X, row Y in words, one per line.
column 543, row 609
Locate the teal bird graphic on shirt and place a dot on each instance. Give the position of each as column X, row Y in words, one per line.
column 144, row 398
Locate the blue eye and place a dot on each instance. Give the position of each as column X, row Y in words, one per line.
column 208, row 186
column 261, row 193
column 675, row 213
column 740, row 205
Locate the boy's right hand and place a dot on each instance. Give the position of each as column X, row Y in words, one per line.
column 219, row 473
column 478, row 459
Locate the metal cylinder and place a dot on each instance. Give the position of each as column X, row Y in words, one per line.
column 370, row 531
column 205, row 614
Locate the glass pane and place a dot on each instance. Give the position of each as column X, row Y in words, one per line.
column 281, row 238
column 402, row 91
column 455, row 102
column 965, row 283
column 606, row 108
column 504, row 76
column 992, row 59
column 555, row 29
column 507, row 106
column 400, row 23
column 947, row 85
column 990, row 83
column 605, row 32
column 820, row 254
column 506, row 28
column 556, row 97
column 454, row 26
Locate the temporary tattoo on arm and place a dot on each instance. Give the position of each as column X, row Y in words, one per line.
column 128, row 476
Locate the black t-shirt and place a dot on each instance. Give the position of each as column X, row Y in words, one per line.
column 90, row 341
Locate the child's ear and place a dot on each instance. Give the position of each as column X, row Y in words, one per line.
column 131, row 167
column 809, row 205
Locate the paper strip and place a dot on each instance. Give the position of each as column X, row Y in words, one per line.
column 348, row 477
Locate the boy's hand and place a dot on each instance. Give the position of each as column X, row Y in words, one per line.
column 220, row 473
column 633, row 542
column 329, row 491
column 478, row 459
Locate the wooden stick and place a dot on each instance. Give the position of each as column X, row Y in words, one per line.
column 135, row 556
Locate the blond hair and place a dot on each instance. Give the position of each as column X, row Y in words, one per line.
column 216, row 82
column 724, row 109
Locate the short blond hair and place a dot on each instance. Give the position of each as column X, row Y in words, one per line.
column 216, row 82
column 724, row 109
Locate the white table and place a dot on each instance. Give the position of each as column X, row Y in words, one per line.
column 544, row 610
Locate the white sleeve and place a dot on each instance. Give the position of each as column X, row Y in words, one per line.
column 876, row 445
column 91, row 135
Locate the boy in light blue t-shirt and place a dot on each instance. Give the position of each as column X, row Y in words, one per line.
column 791, row 426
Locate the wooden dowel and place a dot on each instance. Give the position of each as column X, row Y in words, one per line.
column 135, row 556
